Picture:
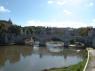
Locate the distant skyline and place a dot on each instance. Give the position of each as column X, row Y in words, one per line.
column 52, row 13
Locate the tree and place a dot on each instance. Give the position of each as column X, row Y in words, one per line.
column 84, row 31
column 72, row 41
column 14, row 29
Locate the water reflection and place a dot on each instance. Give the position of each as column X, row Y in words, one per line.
column 26, row 51
column 12, row 53
column 42, row 51
column 41, row 57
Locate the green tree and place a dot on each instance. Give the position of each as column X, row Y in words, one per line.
column 14, row 29
column 84, row 31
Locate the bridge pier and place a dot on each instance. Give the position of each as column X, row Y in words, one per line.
column 42, row 43
column 66, row 44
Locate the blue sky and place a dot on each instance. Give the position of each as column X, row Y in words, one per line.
column 53, row 13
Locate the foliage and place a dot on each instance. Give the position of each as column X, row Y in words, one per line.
column 84, row 31
column 72, row 41
column 7, row 28
column 14, row 29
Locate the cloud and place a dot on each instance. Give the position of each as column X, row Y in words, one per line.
column 73, row 24
column 67, row 2
column 67, row 13
column 90, row 4
column 50, row 2
column 61, row 2
column 93, row 20
column 75, row 2
column 58, row 2
column 3, row 9
column 92, row 23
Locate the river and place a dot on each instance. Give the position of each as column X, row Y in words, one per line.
column 28, row 58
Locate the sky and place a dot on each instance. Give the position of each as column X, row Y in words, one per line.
column 52, row 13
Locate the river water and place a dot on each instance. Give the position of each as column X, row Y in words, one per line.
column 28, row 58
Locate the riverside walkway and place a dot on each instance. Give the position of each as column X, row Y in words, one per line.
column 91, row 64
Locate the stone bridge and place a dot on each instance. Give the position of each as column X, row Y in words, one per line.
column 45, row 38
